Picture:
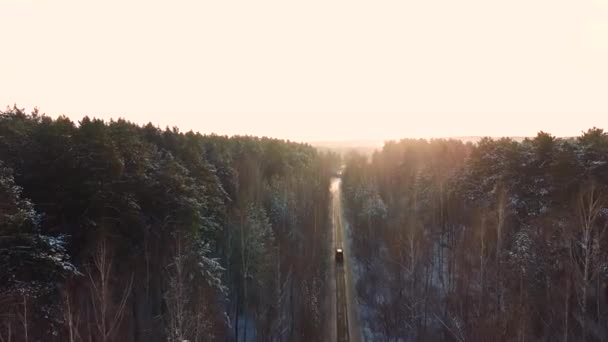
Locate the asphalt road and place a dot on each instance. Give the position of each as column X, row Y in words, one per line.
column 342, row 305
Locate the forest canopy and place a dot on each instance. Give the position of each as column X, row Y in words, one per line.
column 499, row 240
column 111, row 231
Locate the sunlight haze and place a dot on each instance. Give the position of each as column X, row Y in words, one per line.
column 313, row 70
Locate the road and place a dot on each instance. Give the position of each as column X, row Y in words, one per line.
column 342, row 305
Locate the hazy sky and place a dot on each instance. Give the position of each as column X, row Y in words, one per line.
column 313, row 69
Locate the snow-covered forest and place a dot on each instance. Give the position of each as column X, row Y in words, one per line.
column 497, row 241
column 110, row 231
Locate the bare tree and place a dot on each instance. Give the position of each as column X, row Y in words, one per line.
column 6, row 318
column 176, row 297
column 501, row 211
column 24, row 318
column 584, row 244
column 71, row 316
column 107, row 315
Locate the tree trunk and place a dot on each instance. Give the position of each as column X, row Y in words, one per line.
column 583, row 301
column 236, row 316
column 25, row 322
column 567, row 311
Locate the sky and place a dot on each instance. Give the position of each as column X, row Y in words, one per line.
column 315, row 69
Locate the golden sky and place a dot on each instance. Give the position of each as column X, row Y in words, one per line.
column 313, row 69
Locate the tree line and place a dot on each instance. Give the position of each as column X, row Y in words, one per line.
column 495, row 241
column 111, row 231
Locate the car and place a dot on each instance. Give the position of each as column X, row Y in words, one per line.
column 339, row 255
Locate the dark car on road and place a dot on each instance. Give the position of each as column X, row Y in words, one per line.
column 339, row 255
